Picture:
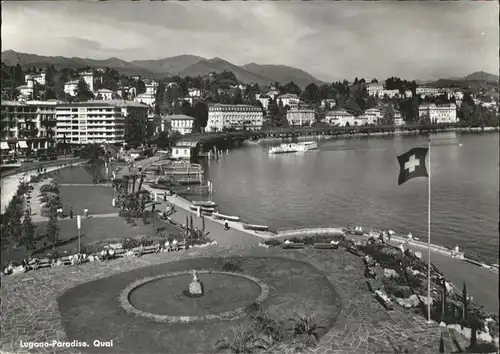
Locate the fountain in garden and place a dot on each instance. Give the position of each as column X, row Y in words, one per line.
column 195, row 288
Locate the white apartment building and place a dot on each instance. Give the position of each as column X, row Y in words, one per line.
column 340, row 118
column 289, row 100
column 26, row 91
column 70, row 87
column 97, row 121
column 182, row 123
column 428, row 91
column 146, row 98
column 37, row 77
column 389, row 93
column 151, row 88
column 300, row 117
column 238, row 117
column 373, row 115
column 28, row 123
column 445, row 113
column 264, row 100
column 104, row 94
column 374, row 89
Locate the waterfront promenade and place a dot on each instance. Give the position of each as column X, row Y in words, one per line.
column 482, row 283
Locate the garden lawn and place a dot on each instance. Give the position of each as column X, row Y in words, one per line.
column 94, row 229
column 97, row 199
column 91, row 310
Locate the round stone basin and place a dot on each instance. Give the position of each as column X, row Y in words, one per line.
column 222, row 292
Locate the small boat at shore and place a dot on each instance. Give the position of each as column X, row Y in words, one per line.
column 208, row 209
column 189, row 181
column 255, row 227
column 207, row 203
column 225, row 217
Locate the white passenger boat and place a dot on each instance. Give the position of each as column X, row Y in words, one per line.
column 293, row 147
column 225, row 217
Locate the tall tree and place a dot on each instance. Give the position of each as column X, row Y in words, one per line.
column 53, row 230
column 200, row 112
column 83, row 93
column 186, row 108
column 311, row 94
column 28, row 239
column 237, row 98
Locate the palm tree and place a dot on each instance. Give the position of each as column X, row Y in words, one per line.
column 305, row 326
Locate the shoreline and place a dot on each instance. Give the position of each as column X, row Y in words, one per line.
column 184, row 204
column 385, row 134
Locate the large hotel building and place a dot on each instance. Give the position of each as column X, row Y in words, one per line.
column 223, row 117
column 27, row 124
column 97, row 121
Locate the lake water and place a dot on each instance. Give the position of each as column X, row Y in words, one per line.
column 354, row 181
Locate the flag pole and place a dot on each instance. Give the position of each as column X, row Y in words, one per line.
column 429, row 240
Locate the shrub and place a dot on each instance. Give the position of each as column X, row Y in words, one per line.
column 273, row 242
column 232, row 265
column 305, row 326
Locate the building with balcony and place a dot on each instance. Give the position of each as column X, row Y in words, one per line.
column 88, row 77
column 374, row 89
column 99, row 121
column 28, row 124
column 444, row 113
column 223, row 117
column 290, row 100
column 300, row 117
column 182, row 123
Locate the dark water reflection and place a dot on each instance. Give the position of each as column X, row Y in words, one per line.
column 355, row 181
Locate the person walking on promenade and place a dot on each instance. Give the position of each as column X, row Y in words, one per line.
column 71, row 213
column 86, row 212
column 165, row 196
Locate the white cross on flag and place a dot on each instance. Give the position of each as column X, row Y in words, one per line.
column 412, row 164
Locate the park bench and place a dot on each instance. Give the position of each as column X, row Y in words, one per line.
column 326, row 246
column 295, row 245
column 41, row 263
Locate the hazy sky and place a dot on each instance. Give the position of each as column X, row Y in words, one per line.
column 331, row 40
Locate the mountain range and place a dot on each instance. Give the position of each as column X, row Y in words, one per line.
column 181, row 65
column 192, row 65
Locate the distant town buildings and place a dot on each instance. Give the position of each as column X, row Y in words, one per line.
column 340, row 118
column 37, row 77
column 182, row 123
column 146, row 98
column 264, row 100
column 70, row 87
column 445, row 113
column 428, row 91
column 374, row 89
column 238, row 117
column 300, row 117
column 97, row 121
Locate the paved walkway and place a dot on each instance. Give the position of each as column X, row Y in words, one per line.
column 30, row 311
